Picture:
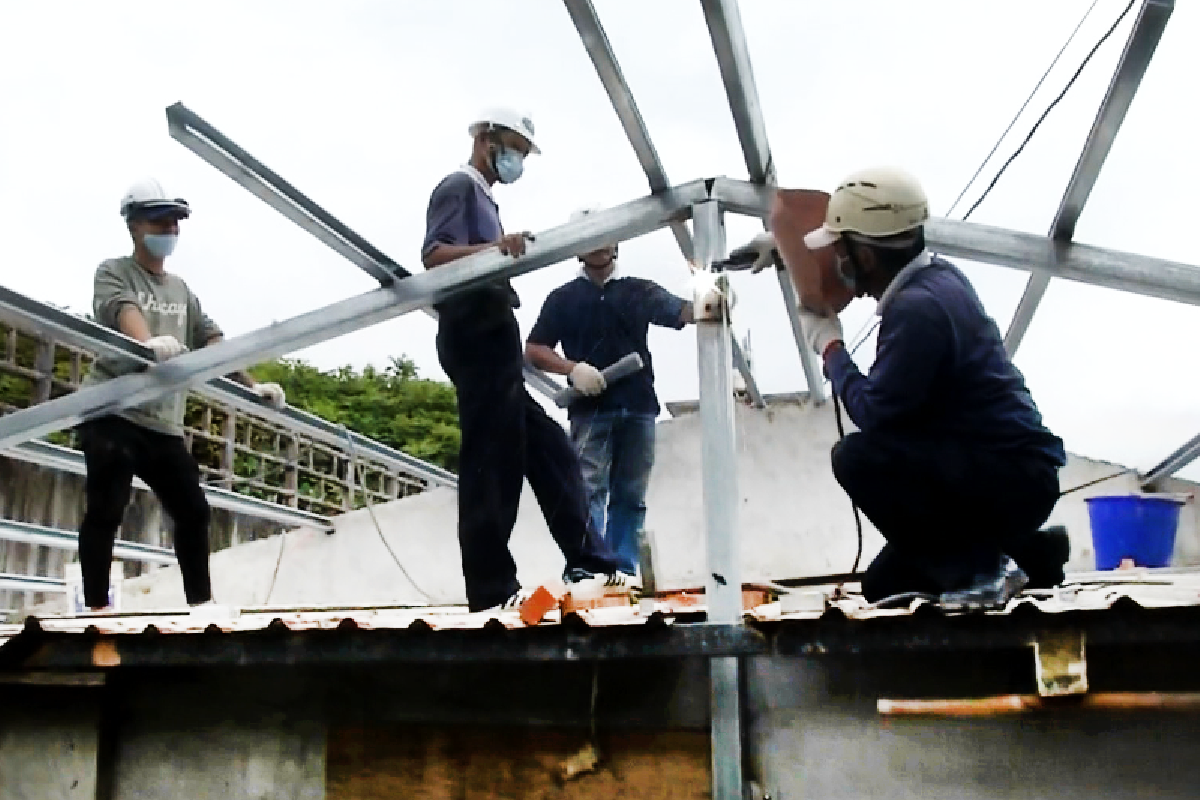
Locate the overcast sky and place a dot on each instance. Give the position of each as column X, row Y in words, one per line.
column 364, row 107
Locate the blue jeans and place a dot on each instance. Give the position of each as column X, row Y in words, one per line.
column 616, row 452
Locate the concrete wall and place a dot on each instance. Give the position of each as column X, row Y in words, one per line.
column 812, row 729
column 794, row 521
column 48, row 743
column 816, row 734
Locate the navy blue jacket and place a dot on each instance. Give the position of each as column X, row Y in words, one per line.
column 601, row 325
column 461, row 213
column 941, row 370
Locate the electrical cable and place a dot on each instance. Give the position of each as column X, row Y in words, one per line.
column 361, row 478
column 275, row 574
column 837, row 415
column 1021, row 110
column 1049, row 108
column 1093, row 483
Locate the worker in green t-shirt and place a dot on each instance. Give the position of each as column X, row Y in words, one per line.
column 138, row 297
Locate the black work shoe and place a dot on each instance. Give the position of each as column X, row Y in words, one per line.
column 1043, row 557
column 988, row 591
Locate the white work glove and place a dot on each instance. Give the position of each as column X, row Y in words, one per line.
column 588, row 379
column 710, row 291
column 165, row 347
column 762, row 247
column 272, row 393
column 820, row 331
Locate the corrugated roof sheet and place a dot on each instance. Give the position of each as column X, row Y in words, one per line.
column 1148, row 589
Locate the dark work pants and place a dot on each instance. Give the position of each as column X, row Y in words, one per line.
column 506, row 438
column 948, row 510
column 115, row 450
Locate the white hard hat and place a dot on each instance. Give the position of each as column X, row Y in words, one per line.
column 509, row 118
column 147, row 198
column 877, row 203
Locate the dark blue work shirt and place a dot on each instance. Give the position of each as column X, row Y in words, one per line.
column 941, row 369
column 461, row 212
column 602, row 325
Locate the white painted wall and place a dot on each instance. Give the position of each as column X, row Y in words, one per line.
column 794, row 521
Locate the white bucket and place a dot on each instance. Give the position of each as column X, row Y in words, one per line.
column 74, row 578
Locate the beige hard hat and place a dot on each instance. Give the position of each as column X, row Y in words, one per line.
column 876, row 202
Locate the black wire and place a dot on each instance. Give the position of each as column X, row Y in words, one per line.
column 1021, row 110
column 1093, row 483
column 1049, row 108
column 837, row 415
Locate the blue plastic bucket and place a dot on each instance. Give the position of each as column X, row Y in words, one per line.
column 1139, row 527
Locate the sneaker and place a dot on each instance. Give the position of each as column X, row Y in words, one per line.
column 583, row 582
column 513, row 603
column 211, row 613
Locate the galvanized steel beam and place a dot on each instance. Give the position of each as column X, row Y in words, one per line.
column 28, row 314
column 733, row 58
column 723, row 584
column 1098, row 266
column 1171, row 464
column 30, row 583
column 42, row 536
column 64, row 459
column 203, row 139
column 404, row 296
column 599, row 49
column 1139, row 49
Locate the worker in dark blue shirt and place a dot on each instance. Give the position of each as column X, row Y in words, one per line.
column 506, row 435
column 951, row 462
column 599, row 318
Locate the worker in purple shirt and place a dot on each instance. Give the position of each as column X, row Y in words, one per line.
column 599, row 318
column 951, row 461
column 506, row 435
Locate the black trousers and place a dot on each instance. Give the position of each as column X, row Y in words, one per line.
column 506, row 438
column 947, row 509
column 115, row 450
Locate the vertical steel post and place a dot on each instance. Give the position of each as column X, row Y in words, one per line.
column 812, row 376
column 723, row 587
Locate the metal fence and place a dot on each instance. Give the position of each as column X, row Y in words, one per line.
column 234, row 449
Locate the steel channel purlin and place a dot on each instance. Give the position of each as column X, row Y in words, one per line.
column 404, row 296
column 724, row 22
column 30, row 583
column 600, row 50
column 42, row 536
column 1098, row 266
column 28, row 314
column 792, row 300
column 203, row 139
column 723, row 584
column 1171, row 464
column 1139, row 49
column 65, row 459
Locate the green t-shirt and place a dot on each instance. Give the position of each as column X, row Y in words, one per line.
column 170, row 309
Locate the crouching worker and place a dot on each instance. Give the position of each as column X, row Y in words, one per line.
column 951, row 462
column 138, row 297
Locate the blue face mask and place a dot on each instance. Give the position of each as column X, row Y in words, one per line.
column 160, row 245
column 509, row 164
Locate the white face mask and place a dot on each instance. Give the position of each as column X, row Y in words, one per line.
column 160, row 245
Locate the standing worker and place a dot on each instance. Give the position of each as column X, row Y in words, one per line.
column 138, row 297
column 600, row 317
column 952, row 462
column 506, row 435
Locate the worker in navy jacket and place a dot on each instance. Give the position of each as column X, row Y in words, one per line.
column 951, row 461
column 506, row 435
column 599, row 318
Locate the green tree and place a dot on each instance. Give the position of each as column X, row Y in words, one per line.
column 394, row 406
